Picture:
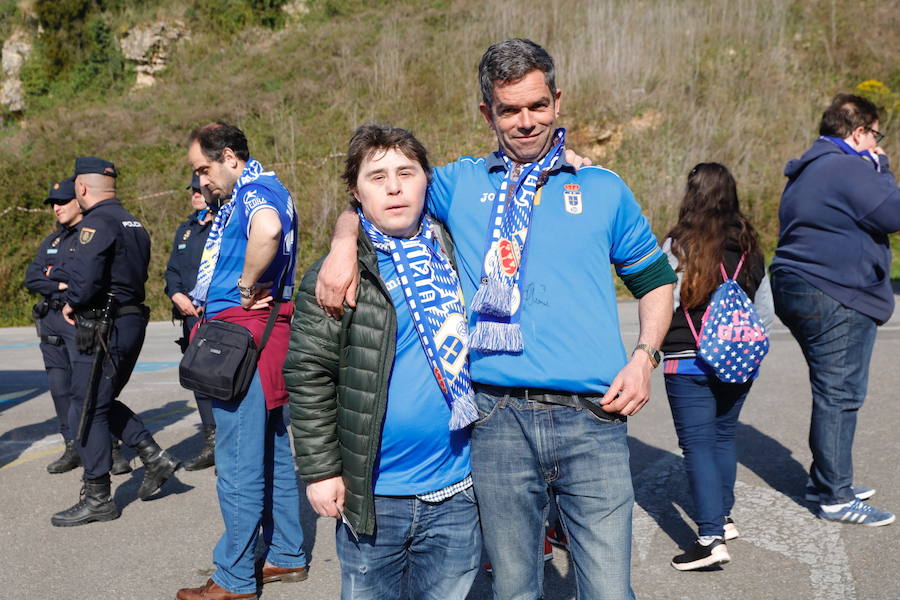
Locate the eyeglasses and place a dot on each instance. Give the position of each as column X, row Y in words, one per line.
column 878, row 135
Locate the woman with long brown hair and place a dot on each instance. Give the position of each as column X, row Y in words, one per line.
column 711, row 233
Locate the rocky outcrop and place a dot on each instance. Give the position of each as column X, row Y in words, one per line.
column 149, row 46
column 15, row 52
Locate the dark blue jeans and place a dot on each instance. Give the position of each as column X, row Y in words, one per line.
column 430, row 549
column 257, row 490
column 705, row 411
column 837, row 343
column 521, row 451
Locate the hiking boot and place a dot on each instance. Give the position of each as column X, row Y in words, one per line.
column 861, row 492
column 158, row 467
column 207, row 456
column 699, row 556
column 120, row 464
column 731, row 530
column 859, row 513
column 95, row 504
column 68, row 461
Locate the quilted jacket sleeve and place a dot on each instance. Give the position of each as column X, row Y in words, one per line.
column 311, row 375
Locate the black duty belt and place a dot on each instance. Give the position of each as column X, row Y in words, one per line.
column 53, row 340
column 121, row 311
column 556, row 397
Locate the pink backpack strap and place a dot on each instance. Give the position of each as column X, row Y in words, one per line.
column 687, row 316
column 736, row 270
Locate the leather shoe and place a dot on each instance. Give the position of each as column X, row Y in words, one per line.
column 211, row 591
column 271, row 574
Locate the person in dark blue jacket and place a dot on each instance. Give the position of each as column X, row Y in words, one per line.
column 831, row 286
column 181, row 275
column 110, row 263
column 47, row 276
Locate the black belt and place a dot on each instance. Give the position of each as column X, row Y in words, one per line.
column 560, row 398
column 53, row 340
column 121, row 311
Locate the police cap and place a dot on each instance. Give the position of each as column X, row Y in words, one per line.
column 92, row 164
column 62, row 192
column 195, row 183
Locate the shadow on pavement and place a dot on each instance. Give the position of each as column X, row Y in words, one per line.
column 17, row 387
column 772, row 462
column 660, row 486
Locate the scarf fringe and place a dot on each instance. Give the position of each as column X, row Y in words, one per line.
column 464, row 411
column 494, row 297
column 491, row 336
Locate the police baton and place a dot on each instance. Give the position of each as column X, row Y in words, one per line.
column 101, row 348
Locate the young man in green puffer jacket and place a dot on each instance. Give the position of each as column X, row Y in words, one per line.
column 381, row 400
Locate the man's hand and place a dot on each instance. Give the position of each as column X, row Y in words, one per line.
column 62, row 286
column 68, row 314
column 184, row 305
column 576, row 160
column 327, row 496
column 261, row 299
column 630, row 390
column 338, row 280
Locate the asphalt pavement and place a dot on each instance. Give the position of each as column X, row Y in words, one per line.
column 165, row 543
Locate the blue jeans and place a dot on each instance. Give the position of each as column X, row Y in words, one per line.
column 431, row 550
column 705, row 411
column 257, row 489
column 837, row 343
column 521, row 450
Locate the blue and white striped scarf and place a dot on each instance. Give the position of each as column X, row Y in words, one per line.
column 432, row 292
column 498, row 299
column 252, row 170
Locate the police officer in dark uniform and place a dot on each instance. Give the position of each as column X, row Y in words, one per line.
column 181, row 275
column 47, row 276
column 106, row 279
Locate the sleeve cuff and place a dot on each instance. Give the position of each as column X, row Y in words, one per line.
column 656, row 274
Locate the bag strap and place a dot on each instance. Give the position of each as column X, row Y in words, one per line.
column 687, row 317
column 736, row 270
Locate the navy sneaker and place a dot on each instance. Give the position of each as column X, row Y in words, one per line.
column 861, row 492
column 860, row 513
column 699, row 556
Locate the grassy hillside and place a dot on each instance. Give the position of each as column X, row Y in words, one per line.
column 649, row 89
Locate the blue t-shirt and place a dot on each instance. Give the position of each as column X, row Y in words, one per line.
column 582, row 222
column 418, row 453
column 265, row 193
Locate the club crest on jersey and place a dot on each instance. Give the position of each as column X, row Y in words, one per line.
column 572, row 198
column 87, row 234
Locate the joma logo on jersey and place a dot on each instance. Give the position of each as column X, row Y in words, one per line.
column 487, row 197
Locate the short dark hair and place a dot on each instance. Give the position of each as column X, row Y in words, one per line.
column 215, row 137
column 510, row 60
column 846, row 113
column 369, row 139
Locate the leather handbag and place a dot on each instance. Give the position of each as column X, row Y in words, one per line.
column 220, row 360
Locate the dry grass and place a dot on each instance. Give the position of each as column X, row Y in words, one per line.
column 650, row 88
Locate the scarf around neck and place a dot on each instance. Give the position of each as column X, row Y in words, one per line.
column 432, row 292
column 252, row 170
column 848, row 149
column 498, row 299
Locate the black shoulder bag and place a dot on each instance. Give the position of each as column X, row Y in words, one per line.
column 220, row 360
